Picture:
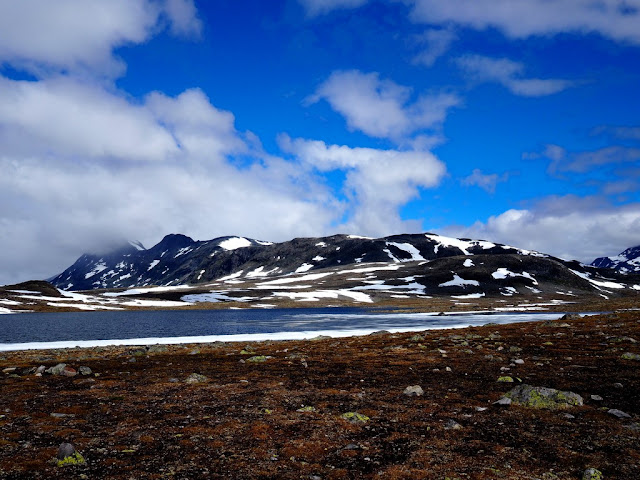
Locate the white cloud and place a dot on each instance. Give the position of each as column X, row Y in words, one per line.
column 568, row 227
column 68, row 117
column 321, row 7
column 378, row 182
column 79, row 35
column 509, row 74
column 183, row 17
column 436, row 42
column 487, row 182
column 382, row 108
column 87, row 167
column 614, row 19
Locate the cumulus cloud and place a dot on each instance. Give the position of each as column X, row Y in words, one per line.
column 80, row 35
column 56, row 204
column 69, row 117
column 382, row 108
column 509, row 74
column 487, row 182
column 614, row 19
column 321, row 7
column 568, row 227
column 378, row 181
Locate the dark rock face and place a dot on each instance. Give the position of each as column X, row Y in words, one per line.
column 627, row 262
column 439, row 265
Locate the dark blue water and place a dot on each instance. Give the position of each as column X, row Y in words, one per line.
column 52, row 327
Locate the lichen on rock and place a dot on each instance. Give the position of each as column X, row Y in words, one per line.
column 355, row 417
column 543, row 397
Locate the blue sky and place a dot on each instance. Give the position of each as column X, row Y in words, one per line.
column 516, row 121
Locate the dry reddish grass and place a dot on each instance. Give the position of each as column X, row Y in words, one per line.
column 135, row 421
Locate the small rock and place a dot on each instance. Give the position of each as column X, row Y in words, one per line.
column 505, row 379
column 157, row 349
column 85, row 371
column 592, row 474
column 480, row 409
column 618, row 385
column 57, row 370
column 568, row 416
column 68, row 372
column 40, row 369
column 258, row 359
column 355, row 417
column 596, row 398
column 630, row 356
column 413, row 391
column 618, row 413
column 503, row 402
column 452, row 425
column 519, row 361
column 571, row 316
column 65, row 450
column 308, row 408
column 448, row 369
column 196, row 378
column 9, row 370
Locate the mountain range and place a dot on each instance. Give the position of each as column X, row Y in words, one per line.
column 433, row 264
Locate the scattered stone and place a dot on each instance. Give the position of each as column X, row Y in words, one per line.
column 571, row 316
column 413, row 391
column 519, row 361
column 618, row 413
column 380, row 332
column 308, row 408
column 416, row 338
column 592, row 474
column 9, row 370
column 452, row 425
column 503, row 402
column 196, row 378
column 505, row 379
column 40, row 369
column 62, row 415
column 543, row 397
column 448, row 369
column 85, row 371
column 258, row 359
column 68, row 455
column 248, row 350
column 158, row 349
column 618, row 385
column 57, row 370
column 630, row 356
column 480, row 409
column 355, row 417
column 68, row 372
column 568, row 416
column 596, row 398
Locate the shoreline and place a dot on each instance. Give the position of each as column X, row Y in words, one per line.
column 473, row 319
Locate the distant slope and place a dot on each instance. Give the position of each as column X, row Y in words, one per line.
column 178, row 259
column 627, row 262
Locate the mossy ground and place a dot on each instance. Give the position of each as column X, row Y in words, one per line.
column 136, row 421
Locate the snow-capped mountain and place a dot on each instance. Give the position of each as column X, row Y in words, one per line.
column 178, row 259
column 627, row 262
column 419, row 263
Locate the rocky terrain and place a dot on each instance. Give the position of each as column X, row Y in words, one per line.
column 548, row 400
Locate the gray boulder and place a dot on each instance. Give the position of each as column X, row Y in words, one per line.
column 543, row 397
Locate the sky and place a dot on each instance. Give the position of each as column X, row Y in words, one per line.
column 515, row 121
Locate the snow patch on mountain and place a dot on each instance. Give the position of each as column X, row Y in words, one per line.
column 459, row 282
column 235, row 243
column 410, row 249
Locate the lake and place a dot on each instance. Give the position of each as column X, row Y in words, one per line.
column 62, row 330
